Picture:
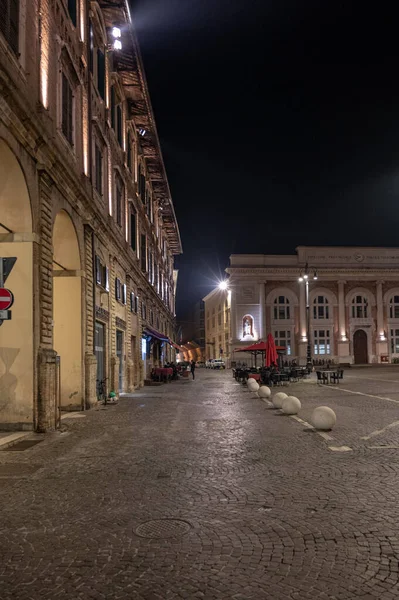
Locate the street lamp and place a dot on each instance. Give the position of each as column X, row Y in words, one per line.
column 223, row 285
column 304, row 277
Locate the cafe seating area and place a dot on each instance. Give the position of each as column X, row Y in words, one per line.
column 270, row 376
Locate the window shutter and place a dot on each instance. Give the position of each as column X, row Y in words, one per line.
column 101, row 72
column 98, row 270
column 131, row 301
column 113, row 108
column 106, row 279
column 124, row 293
column 133, row 231
column 91, row 48
column 136, row 304
column 117, row 289
column 119, row 123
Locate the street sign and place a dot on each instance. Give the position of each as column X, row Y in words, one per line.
column 6, row 266
column 5, row 315
column 6, row 299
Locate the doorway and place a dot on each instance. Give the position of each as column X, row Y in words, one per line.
column 99, row 350
column 119, row 354
column 360, row 347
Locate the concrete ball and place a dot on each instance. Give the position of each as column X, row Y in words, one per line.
column 253, row 386
column 323, row 418
column 278, row 399
column 291, row 405
column 264, row 392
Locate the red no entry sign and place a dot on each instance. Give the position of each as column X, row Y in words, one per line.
column 6, row 299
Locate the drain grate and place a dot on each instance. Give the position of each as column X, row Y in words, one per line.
column 21, row 446
column 163, row 528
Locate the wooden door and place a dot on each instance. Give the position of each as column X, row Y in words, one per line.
column 360, row 347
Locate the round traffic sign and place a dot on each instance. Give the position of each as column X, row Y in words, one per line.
column 6, row 299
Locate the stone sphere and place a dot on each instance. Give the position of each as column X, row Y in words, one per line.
column 291, row 405
column 264, row 392
column 253, row 385
column 323, row 418
column 278, row 399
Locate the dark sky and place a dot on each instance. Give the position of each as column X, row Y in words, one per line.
column 279, row 125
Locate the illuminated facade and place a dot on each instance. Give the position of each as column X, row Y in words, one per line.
column 354, row 303
column 217, row 324
column 85, row 208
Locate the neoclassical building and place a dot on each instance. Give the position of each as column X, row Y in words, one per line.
column 353, row 303
column 85, row 208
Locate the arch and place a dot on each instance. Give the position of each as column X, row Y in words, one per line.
column 393, row 306
column 389, row 293
column 15, row 205
column 66, row 254
column 360, row 291
column 247, row 326
column 67, row 309
column 17, row 342
column 322, row 291
column 282, row 291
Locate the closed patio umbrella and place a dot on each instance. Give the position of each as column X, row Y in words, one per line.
column 271, row 351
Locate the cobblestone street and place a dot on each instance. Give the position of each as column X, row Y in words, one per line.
column 245, row 503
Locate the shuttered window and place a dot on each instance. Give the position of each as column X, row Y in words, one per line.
column 113, row 107
column 119, row 123
column 67, row 109
column 143, row 253
column 101, row 73
column 119, row 201
column 133, row 224
column 73, row 11
column 9, row 22
column 98, row 180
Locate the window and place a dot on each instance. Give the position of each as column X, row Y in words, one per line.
column 141, row 185
column 102, row 277
column 219, row 319
column 281, row 308
column 119, row 123
column 150, row 267
column 151, row 317
column 130, row 153
column 320, row 308
column 113, row 104
column 98, row 174
column 213, row 322
column 9, row 22
column 120, row 291
column 119, row 200
column 395, row 341
column 394, row 307
column 73, row 11
column 133, row 232
column 359, row 307
column 67, row 109
column 322, row 341
column 283, row 338
column 143, row 311
column 143, row 252
column 101, row 73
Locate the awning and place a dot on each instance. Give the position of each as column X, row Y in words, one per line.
column 150, row 332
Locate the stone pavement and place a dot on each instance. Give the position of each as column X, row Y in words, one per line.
column 200, row 490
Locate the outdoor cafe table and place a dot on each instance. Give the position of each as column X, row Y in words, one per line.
column 327, row 375
column 163, row 372
column 255, row 376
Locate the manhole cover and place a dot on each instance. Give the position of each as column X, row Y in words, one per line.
column 163, row 528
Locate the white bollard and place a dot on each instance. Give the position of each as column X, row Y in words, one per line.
column 291, row 405
column 278, row 399
column 253, row 385
column 323, row 418
column 264, row 392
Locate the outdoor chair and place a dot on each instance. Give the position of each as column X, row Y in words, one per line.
column 334, row 377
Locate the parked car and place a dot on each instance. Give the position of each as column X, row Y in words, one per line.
column 200, row 364
column 208, row 363
column 218, row 363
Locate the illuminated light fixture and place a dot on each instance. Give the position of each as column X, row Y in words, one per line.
column 223, row 285
column 300, row 278
column 142, row 131
column 306, row 276
column 117, row 45
column 116, row 32
column 315, row 275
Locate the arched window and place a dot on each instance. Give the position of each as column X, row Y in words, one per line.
column 247, row 326
column 359, row 307
column 281, row 308
column 394, row 307
column 321, row 308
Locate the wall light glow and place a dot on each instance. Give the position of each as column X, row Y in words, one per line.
column 82, row 19
column 44, row 58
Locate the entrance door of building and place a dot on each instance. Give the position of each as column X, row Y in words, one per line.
column 99, row 350
column 360, row 347
column 119, row 354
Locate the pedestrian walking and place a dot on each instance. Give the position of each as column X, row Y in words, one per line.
column 192, row 368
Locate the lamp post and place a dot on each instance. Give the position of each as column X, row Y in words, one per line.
column 304, row 277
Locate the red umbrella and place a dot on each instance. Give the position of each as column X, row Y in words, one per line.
column 255, row 349
column 271, row 352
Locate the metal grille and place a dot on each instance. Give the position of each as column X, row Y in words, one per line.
column 163, row 528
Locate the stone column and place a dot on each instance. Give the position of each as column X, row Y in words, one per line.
column 262, row 311
column 341, row 310
column 233, row 315
column 47, row 402
column 302, row 313
column 90, row 380
column 380, row 311
column 381, row 342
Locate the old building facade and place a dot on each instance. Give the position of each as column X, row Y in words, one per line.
column 85, row 208
column 353, row 303
column 218, row 334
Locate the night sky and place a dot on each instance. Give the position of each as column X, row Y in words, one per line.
column 279, row 125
